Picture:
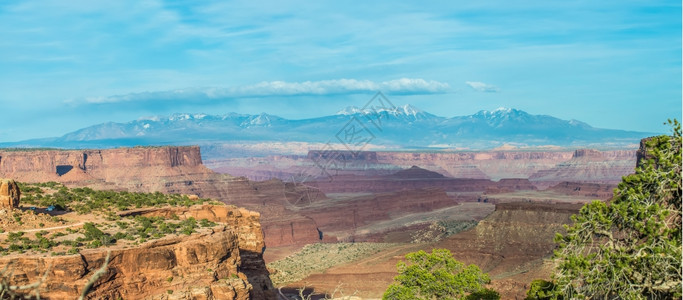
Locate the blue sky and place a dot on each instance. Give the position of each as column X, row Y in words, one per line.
column 65, row 65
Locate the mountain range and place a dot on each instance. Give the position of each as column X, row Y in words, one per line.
column 397, row 126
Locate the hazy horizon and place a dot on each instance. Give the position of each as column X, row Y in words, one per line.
column 70, row 65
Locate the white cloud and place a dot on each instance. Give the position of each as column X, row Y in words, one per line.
column 405, row 86
column 482, row 87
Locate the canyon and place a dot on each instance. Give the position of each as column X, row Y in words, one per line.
column 513, row 244
column 293, row 213
column 298, row 213
column 518, row 198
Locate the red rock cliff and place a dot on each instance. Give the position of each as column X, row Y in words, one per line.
column 223, row 264
column 109, row 164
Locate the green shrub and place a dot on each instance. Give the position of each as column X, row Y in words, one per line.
column 206, row 223
column 92, row 232
column 541, row 290
column 435, row 276
column 483, row 294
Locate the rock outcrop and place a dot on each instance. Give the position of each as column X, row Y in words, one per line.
column 180, row 264
column 9, row 194
column 642, row 153
column 225, row 263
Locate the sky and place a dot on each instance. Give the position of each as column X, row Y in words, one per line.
column 65, row 65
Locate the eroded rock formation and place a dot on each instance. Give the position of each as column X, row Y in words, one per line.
column 9, row 194
column 225, row 263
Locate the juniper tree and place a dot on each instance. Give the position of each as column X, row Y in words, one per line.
column 437, row 275
column 629, row 248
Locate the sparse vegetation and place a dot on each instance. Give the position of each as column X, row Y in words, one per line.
column 94, row 234
column 319, row 257
column 86, row 200
column 441, row 229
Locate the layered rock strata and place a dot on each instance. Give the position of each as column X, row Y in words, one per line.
column 225, row 263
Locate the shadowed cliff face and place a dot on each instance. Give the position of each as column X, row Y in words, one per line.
column 225, row 263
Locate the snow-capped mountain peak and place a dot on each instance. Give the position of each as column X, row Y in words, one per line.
column 261, row 120
column 501, row 113
column 350, row 110
column 396, row 111
column 410, row 110
column 400, row 125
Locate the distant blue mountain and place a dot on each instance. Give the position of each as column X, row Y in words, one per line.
column 403, row 126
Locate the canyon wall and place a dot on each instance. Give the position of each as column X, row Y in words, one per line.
column 149, row 169
column 545, row 168
column 416, row 178
column 588, row 166
column 225, row 263
column 101, row 164
column 600, row 191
